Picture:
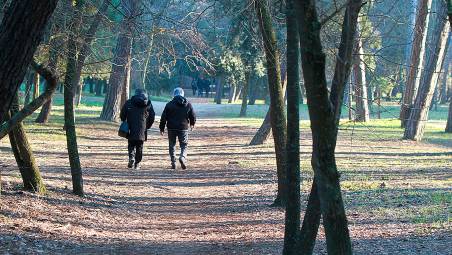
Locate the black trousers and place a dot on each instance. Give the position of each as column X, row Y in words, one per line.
column 182, row 136
column 135, row 151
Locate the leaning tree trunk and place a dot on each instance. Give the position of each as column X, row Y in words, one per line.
column 324, row 113
column 292, row 217
column 43, row 116
column 21, row 30
column 112, row 103
column 277, row 111
column 243, row 108
column 28, row 87
column 70, row 83
column 417, row 58
column 25, row 159
column 359, row 74
column 415, row 127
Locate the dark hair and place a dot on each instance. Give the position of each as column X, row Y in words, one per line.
column 140, row 91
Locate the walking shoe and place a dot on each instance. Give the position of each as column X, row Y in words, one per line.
column 182, row 163
column 137, row 167
column 131, row 163
column 173, row 165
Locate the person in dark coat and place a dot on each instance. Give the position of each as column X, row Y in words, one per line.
column 140, row 115
column 178, row 116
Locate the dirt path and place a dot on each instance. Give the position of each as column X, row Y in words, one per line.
column 220, row 204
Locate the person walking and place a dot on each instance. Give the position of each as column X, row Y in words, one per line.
column 178, row 116
column 140, row 115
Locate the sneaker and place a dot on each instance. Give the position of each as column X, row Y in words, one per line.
column 182, row 163
column 137, row 167
column 173, row 165
column 131, row 163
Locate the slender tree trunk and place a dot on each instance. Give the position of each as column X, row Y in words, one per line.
column 219, row 89
column 415, row 127
column 417, row 58
column 449, row 119
column 246, row 86
column 232, row 93
column 25, row 159
column 112, row 103
column 21, row 30
column 43, row 116
column 126, row 87
column 70, row 83
column 277, row 111
column 292, row 217
column 36, row 82
column 324, row 113
column 359, row 73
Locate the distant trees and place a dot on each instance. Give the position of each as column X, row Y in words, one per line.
column 418, row 117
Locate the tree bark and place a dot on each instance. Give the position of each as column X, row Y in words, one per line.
column 417, row 58
column 449, row 119
column 21, row 30
column 70, row 83
column 292, row 217
column 36, row 82
column 112, row 103
column 219, row 89
column 28, row 86
column 324, row 114
column 277, row 111
column 246, row 86
column 415, row 126
column 126, row 87
column 359, row 73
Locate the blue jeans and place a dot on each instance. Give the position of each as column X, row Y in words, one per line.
column 182, row 136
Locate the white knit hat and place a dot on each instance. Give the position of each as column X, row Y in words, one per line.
column 178, row 92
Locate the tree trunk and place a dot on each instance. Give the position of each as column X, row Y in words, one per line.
column 359, row 74
column 36, row 85
column 219, row 89
column 417, row 58
column 232, row 93
column 112, row 103
column 70, row 83
column 277, row 111
column 415, row 126
column 25, row 159
column 21, row 30
column 324, row 113
column 292, row 217
column 246, row 87
column 43, row 116
column 449, row 119
column 126, row 87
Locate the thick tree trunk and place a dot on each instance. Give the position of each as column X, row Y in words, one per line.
column 325, row 114
column 417, row 120
column 43, row 116
column 112, row 103
column 25, row 159
column 417, row 58
column 246, row 86
column 21, row 30
column 292, row 217
column 359, row 74
column 277, row 111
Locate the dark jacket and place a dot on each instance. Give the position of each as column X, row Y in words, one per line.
column 140, row 115
column 178, row 115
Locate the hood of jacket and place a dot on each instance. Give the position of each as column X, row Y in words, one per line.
column 140, row 100
column 180, row 100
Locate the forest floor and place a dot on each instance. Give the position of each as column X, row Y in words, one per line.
column 398, row 194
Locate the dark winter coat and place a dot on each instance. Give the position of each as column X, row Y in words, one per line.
column 178, row 115
column 140, row 115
